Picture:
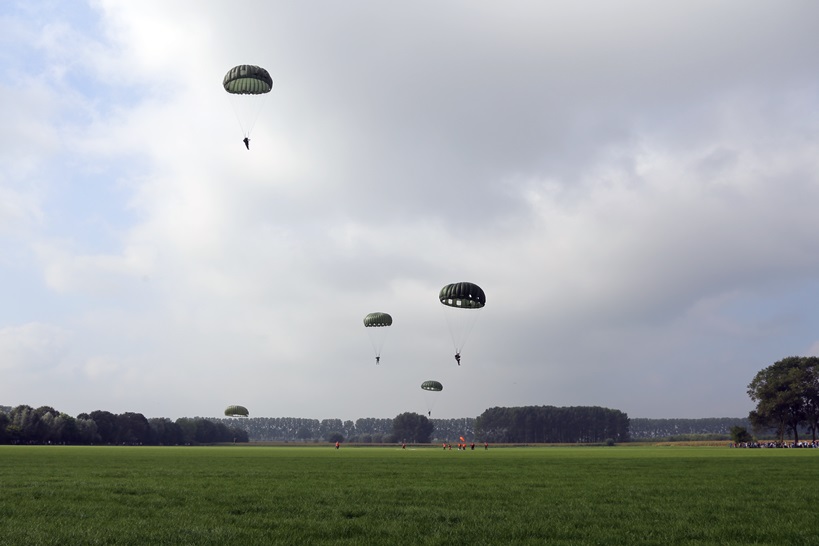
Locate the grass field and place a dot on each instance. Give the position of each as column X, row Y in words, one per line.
column 293, row 495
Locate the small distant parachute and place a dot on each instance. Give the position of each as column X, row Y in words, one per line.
column 377, row 325
column 247, row 86
column 433, row 386
column 236, row 411
column 461, row 301
column 431, row 390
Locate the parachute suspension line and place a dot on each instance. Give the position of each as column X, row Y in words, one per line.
column 255, row 115
column 460, row 323
column 247, row 108
column 377, row 338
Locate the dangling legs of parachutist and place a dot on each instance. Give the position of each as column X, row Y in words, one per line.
column 458, row 358
column 247, row 142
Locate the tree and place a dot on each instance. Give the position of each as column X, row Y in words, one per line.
column 811, row 390
column 740, row 435
column 107, row 426
column 4, row 422
column 549, row 424
column 65, row 429
column 784, row 393
column 412, row 427
column 165, row 432
column 304, row 434
column 133, row 429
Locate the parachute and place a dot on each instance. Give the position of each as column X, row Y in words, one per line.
column 236, row 411
column 431, row 390
column 461, row 301
column 247, row 86
column 433, row 386
column 376, row 325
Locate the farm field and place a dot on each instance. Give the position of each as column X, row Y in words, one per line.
column 313, row 495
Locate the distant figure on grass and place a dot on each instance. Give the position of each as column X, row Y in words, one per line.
column 337, row 445
column 403, row 446
column 486, row 445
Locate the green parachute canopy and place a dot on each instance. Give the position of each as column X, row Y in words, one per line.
column 247, row 79
column 233, row 411
column 434, row 386
column 247, row 86
column 377, row 320
column 465, row 295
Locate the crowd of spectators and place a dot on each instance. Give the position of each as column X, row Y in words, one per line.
column 791, row 444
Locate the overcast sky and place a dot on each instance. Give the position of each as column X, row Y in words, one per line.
column 634, row 185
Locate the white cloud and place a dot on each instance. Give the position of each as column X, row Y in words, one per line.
column 33, row 347
column 633, row 191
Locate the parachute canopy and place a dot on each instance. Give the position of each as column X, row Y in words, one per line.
column 233, row 411
column 434, row 386
column 465, row 295
column 247, row 79
column 377, row 320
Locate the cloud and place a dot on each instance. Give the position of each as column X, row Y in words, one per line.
column 633, row 191
column 32, row 347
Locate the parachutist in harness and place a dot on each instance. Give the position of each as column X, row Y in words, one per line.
column 458, row 358
column 247, row 142
column 377, row 359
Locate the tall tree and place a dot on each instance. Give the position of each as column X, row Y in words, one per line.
column 784, row 395
column 107, row 426
column 412, row 427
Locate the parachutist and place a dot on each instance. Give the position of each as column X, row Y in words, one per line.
column 247, row 142
column 377, row 359
column 458, row 358
column 429, row 413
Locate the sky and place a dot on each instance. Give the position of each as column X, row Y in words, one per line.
column 633, row 184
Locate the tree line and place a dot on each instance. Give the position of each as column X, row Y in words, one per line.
column 26, row 425
column 364, row 430
column 531, row 424
column 550, row 424
column 684, row 429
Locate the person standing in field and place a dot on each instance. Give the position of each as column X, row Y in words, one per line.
column 337, row 444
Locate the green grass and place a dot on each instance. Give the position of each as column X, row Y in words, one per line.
column 293, row 495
